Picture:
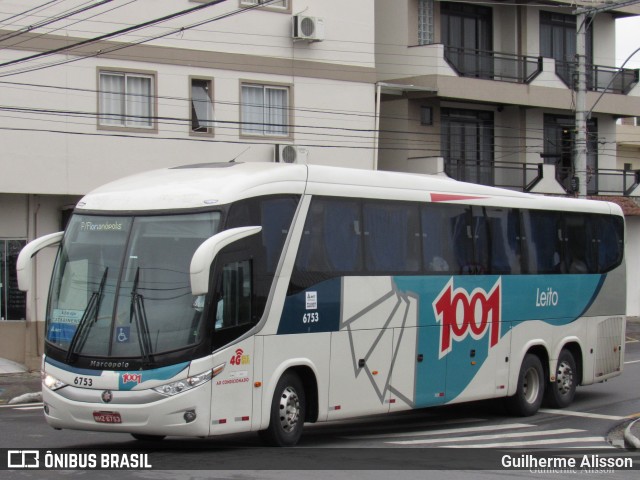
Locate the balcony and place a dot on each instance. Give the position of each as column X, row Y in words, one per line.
column 540, row 177
column 498, row 66
column 599, row 78
column 512, row 68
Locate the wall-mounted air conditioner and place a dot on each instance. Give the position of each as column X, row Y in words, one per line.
column 308, row 28
column 291, row 154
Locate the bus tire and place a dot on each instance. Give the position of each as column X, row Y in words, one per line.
column 559, row 394
column 147, row 438
column 287, row 412
column 530, row 390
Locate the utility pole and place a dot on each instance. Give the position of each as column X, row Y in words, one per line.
column 580, row 155
column 583, row 16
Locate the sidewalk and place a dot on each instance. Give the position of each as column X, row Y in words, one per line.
column 16, row 381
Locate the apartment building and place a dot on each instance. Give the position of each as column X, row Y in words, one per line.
column 479, row 91
column 484, row 92
column 93, row 91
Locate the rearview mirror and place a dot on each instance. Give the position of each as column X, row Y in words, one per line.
column 206, row 253
column 25, row 258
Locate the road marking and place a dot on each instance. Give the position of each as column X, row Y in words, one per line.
column 562, row 431
column 444, row 431
column 569, row 413
column 531, row 443
column 631, row 340
column 632, row 361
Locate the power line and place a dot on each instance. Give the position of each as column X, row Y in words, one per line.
column 28, row 29
column 116, row 33
column 50, row 20
column 43, row 7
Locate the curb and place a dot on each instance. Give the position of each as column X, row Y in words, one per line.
column 34, row 397
column 630, row 440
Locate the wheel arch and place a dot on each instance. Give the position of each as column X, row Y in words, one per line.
column 536, row 347
column 306, row 371
column 575, row 349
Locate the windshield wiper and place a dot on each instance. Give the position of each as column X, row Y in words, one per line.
column 82, row 330
column 138, row 312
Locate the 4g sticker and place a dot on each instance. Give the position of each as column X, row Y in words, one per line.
column 239, row 358
column 461, row 313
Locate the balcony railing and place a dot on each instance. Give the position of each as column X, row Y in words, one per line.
column 524, row 176
column 503, row 67
column 599, row 78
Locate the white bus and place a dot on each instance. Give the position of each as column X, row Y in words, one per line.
column 234, row 297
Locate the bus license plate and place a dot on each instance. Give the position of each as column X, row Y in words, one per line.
column 107, row 417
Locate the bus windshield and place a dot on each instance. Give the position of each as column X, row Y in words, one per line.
column 121, row 289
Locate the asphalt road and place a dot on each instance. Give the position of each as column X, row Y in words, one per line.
column 394, row 445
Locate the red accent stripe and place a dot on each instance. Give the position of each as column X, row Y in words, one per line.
column 449, row 197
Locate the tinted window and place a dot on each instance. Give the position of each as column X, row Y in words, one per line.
column 444, row 228
column 331, row 238
column 274, row 214
column 543, row 232
column 608, row 242
column 506, row 246
column 391, row 237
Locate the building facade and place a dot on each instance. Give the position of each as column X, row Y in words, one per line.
column 479, row 91
column 93, row 91
column 485, row 92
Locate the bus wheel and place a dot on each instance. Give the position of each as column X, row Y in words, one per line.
column 530, row 392
column 287, row 412
column 559, row 394
column 147, row 438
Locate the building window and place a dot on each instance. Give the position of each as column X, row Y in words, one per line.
column 201, row 106
column 467, row 145
column 264, row 110
column 13, row 304
column 558, row 41
column 282, row 5
column 126, row 100
column 426, row 115
column 559, row 145
column 425, row 22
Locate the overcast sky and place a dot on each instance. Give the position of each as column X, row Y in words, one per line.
column 628, row 40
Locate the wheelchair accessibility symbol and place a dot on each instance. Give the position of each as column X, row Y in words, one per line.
column 122, row 334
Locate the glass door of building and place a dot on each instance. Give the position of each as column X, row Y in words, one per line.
column 12, row 301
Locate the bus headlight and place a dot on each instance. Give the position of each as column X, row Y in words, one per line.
column 180, row 386
column 52, row 383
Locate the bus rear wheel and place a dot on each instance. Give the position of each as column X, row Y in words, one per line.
column 559, row 394
column 530, row 391
column 287, row 412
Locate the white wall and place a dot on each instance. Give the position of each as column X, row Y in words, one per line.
column 632, row 253
column 71, row 155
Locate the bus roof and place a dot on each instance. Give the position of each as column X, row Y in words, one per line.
column 205, row 185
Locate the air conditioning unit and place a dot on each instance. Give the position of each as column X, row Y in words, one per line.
column 291, row 154
column 308, row 28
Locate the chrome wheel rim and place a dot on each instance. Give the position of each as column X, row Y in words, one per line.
column 289, row 409
column 531, row 385
column 564, row 378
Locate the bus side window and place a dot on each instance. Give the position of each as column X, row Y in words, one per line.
column 233, row 302
column 575, row 239
column 543, row 233
column 506, row 252
column 438, row 231
column 609, row 242
column 481, row 242
column 391, row 237
column 331, row 242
